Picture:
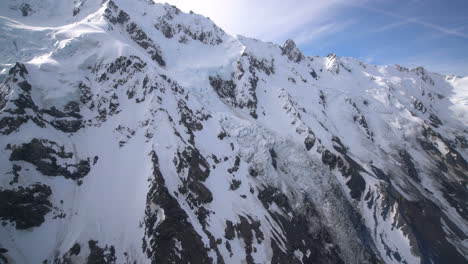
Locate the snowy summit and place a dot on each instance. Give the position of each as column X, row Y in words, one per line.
column 131, row 132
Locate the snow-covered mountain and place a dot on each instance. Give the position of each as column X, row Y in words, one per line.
column 132, row 132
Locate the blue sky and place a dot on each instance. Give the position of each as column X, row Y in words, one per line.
column 431, row 33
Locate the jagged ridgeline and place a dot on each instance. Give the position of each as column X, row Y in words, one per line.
column 131, row 132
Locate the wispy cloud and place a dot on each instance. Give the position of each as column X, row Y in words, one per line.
column 391, row 26
column 271, row 20
column 454, row 32
column 339, row 27
column 309, row 33
column 401, row 20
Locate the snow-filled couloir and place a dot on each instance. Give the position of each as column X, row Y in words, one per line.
column 131, row 132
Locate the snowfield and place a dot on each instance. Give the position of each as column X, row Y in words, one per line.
column 132, row 132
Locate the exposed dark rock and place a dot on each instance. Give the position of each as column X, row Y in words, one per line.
column 193, row 169
column 198, row 167
column 418, row 105
column 25, row 206
column 67, row 126
column 78, row 4
column 18, row 107
column 98, row 255
column 26, row 9
column 235, row 167
column 339, row 145
column 241, row 97
column 356, row 183
column 316, row 246
column 270, row 195
column 75, row 250
column 229, row 248
column 361, row 120
column 225, row 89
column 118, row 16
column 247, row 229
column 178, row 216
column 186, row 32
column 435, row 121
column 415, row 218
column 235, row 184
column 160, row 239
column 24, row 109
column 10, row 124
column 192, row 121
column 348, row 168
column 259, row 64
column 165, row 28
column 229, row 231
column 309, row 141
column 462, row 141
column 140, row 37
column 313, row 74
column 420, row 71
column 19, row 69
column 44, row 154
column 273, row 158
column 199, row 194
column 292, row 52
column 127, row 66
column 329, row 159
column 25, row 86
column 3, row 258
column 222, row 135
column 380, row 174
column 452, row 169
column 86, row 95
column 408, row 165
column 323, row 99
column 253, row 172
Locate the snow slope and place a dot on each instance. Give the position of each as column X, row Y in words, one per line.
column 132, row 132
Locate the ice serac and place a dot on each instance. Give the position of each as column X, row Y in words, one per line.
column 131, row 132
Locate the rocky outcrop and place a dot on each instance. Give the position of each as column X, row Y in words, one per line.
column 51, row 159
column 146, row 135
column 25, row 207
column 292, row 52
column 173, row 25
column 116, row 16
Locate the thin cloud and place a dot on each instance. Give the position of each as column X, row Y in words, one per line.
column 313, row 33
column 441, row 29
column 391, row 26
column 273, row 20
column 448, row 31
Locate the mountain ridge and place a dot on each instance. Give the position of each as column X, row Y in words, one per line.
column 152, row 136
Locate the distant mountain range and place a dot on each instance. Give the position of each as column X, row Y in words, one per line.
column 131, row 132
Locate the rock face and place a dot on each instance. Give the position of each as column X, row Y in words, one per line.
column 26, row 206
column 292, row 52
column 147, row 135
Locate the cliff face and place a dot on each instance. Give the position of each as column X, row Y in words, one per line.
column 132, row 132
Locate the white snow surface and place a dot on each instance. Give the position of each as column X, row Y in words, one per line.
column 61, row 50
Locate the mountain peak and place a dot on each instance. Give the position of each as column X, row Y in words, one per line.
column 291, row 51
column 133, row 132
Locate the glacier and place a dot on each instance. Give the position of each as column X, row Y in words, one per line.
column 132, row 132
